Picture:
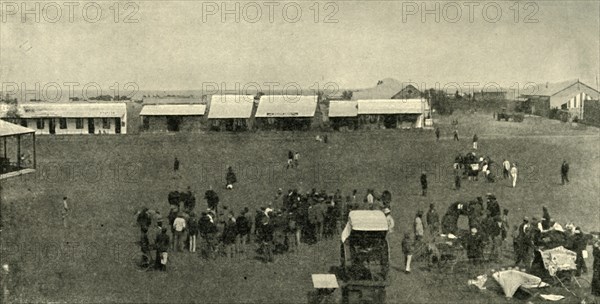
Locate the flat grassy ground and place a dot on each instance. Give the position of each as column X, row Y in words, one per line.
column 108, row 178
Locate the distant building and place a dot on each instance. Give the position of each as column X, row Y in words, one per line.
column 489, row 93
column 73, row 117
column 567, row 95
column 172, row 117
column 286, row 112
column 388, row 88
column 230, row 112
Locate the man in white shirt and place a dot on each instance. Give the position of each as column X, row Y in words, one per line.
column 179, row 227
column 505, row 168
column 513, row 173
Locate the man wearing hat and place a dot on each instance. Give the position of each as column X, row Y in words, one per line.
column 162, row 247
column 407, row 251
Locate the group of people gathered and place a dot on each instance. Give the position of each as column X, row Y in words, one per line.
column 281, row 225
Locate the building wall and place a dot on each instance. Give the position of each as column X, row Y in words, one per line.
column 71, row 127
column 409, row 92
column 592, row 112
column 187, row 124
column 562, row 97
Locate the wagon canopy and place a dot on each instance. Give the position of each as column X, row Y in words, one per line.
column 365, row 220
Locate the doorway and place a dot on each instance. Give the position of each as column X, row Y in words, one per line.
column 91, row 127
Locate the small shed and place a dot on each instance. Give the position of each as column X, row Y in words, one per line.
column 286, row 112
column 230, row 112
column 172, row 117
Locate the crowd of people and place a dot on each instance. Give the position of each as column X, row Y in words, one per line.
column 281, row 225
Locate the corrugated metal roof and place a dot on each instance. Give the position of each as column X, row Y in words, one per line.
column 386, row 89
column 343, row 108
column 171, row 100
column 286, row 106
column 392, row 106
column 173, row 110
column 231, row 106
column 9, row 129
column 368, row 220
column 72, row 110
column 547, row 89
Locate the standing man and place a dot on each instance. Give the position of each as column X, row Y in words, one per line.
column 407, row 251
column 65, row 211
column 178, row 228
column 456, row 134
column 564, row 172
column 162, row 247
column 513, row 173
column 433, row 220
column 437, row 134
column 505, row 168
column 296, row 159
column 290, row 161
column 475, row 141
column 176, row 165
column 390, row 220
column 424, row 183
column 419, row 230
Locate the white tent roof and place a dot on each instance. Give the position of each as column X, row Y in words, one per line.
column 343, row 108
column 231, row 106
column 72, row 110
column 9, row 129
column 365, row 220
column 392, row 106
column 173, row 110
column 287, row 106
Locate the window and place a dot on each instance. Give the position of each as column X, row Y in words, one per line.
column 40, row 123
column 24, row 123
column 105, row 123
column 62, row 122
column 79, row 123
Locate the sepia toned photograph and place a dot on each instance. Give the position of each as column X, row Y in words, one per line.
column 300, row 152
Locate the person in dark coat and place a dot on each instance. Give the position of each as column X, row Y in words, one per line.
column 596, row 269
column 265, row 237
column 145, row 248
column 230, row 178
column 244, row 227
column 493, row 208
column 579, row 244
column 564, row 172
column 162, row 247
column 433, row 220
column 290, row 160
column 437, row 134
column 455, row 134
column 212, row 200
column 474, row 246
column 143, row 219
column 176, row 165
column 424, row 183
column 229, row 235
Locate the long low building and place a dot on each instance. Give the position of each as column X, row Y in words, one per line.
column 73, row 118
column 392, row 113
column 286, row 112
column 172, row 117
column 230, row 112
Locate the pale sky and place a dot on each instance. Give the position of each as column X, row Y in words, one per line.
column 171, row 47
